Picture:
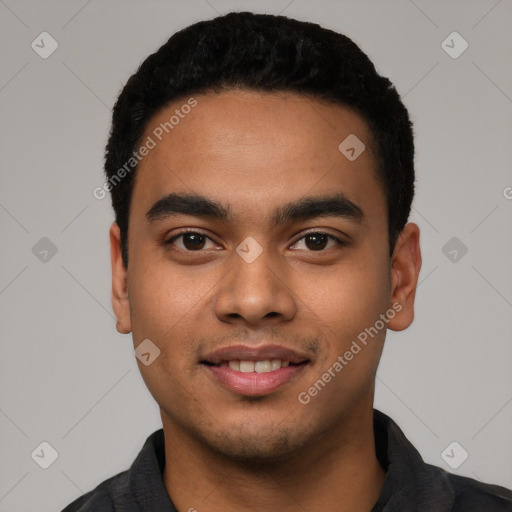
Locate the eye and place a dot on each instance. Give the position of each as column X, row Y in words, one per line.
column 194, row 241
column 191, row 240
column 317, row 241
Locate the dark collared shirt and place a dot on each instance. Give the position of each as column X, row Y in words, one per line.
column 410, row 484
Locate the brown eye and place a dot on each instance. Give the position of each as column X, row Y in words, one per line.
column 193, row 241
column 316, row 241
column 190, row 241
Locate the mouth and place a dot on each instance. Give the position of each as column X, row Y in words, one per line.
column 262, row 366
column 254, row 371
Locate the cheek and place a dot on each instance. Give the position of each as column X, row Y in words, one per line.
column 352, row 302
column 357, row 293
column 163, row 296
column 347, row 313
column 164, row 311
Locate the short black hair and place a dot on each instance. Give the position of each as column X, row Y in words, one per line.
column 268, row 53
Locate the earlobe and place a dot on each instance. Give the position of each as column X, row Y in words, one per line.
column 405, row 269
column 120, row 299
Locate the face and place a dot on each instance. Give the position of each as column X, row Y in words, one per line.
column 253, row 238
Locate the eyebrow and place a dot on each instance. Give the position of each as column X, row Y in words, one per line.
column 336, row 205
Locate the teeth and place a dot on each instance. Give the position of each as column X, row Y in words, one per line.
column 262, row 366
column 246, row 366
column 275, row 364
column 267, row 365
column 234, row 365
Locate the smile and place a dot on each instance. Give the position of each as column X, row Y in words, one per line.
column 264, row 366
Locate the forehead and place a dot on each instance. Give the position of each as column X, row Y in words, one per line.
column 249, row 149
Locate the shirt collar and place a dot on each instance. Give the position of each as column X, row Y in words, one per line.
column 410, row 483
column 145, row 476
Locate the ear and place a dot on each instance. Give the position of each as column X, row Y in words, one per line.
column 405, row 269
column 120, row 300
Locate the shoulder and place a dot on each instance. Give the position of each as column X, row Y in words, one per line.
column 131, row 490
column 101, row 498
column 472, row 495
column 414, row 484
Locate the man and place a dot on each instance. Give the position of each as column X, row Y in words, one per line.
column 262, row 175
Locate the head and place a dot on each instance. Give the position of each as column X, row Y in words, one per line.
column 289, row 161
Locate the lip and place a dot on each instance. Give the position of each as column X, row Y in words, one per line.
column 253, row 383
column 255, row 353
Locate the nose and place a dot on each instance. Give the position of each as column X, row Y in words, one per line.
column 256, row 293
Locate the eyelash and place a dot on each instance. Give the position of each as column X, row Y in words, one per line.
column 170, row 241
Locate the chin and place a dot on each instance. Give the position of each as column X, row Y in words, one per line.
column 257, row 445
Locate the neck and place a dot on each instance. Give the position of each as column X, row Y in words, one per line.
column 339, row 471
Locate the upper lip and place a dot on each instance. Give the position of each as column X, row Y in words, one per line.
column 251, row 353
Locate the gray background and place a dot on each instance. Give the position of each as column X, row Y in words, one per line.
column 68, row 378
